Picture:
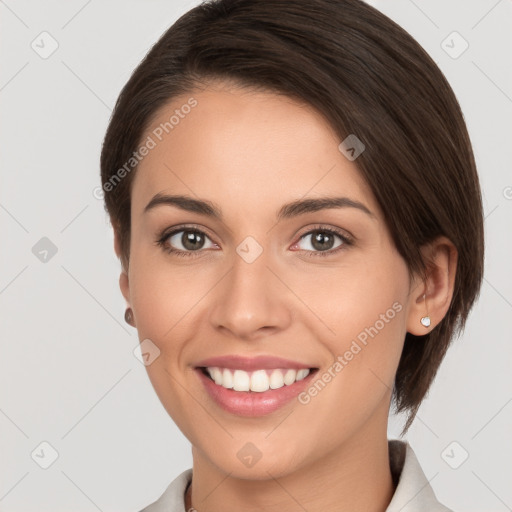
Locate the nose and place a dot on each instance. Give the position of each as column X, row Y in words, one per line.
column 251, row 302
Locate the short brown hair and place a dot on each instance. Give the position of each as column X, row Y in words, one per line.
column 368, row 77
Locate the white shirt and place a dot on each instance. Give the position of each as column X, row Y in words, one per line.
column 413, row 492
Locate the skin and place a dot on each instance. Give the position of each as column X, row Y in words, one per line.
column 250, row 153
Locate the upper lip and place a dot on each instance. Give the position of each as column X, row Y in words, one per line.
column 237, row 362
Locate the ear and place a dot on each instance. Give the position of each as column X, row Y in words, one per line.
column 124, row 284
column 432, row 293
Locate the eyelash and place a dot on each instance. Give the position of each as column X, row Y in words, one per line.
column 347, row 241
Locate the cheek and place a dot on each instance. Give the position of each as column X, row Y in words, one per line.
column 162, row 293
column 365, row 308
column 370, row 330
column 358, row 295
column 164, row 298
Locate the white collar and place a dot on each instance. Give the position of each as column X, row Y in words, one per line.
column 413, row 492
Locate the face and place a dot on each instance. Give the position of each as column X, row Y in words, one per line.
column 243, row 278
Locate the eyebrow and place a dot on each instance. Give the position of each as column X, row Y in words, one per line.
column 287, row 211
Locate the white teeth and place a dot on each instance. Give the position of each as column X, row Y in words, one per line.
column 289, row 377
column 227, row 379
column 241, row 380
column 276, row 379
column 257, row 381
column 302, row 374
column 216, row 375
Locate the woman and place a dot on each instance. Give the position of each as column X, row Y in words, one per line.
column 298, row 216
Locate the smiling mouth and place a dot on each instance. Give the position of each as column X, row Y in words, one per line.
column 257, row 381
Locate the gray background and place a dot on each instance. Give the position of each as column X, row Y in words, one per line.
column 68, row 374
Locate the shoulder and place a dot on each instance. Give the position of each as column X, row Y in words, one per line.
column 413, row 490
column 172, row 499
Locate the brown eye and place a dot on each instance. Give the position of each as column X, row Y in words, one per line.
column 322, row 240
column 184, row 242
column 192, row 240
column 187, row 240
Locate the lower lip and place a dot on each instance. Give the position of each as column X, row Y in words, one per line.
column 252, row 403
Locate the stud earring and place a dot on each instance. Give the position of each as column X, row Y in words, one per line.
column 425, row 320
column 128, row 316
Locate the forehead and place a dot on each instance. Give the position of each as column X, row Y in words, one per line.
column 246, row 150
